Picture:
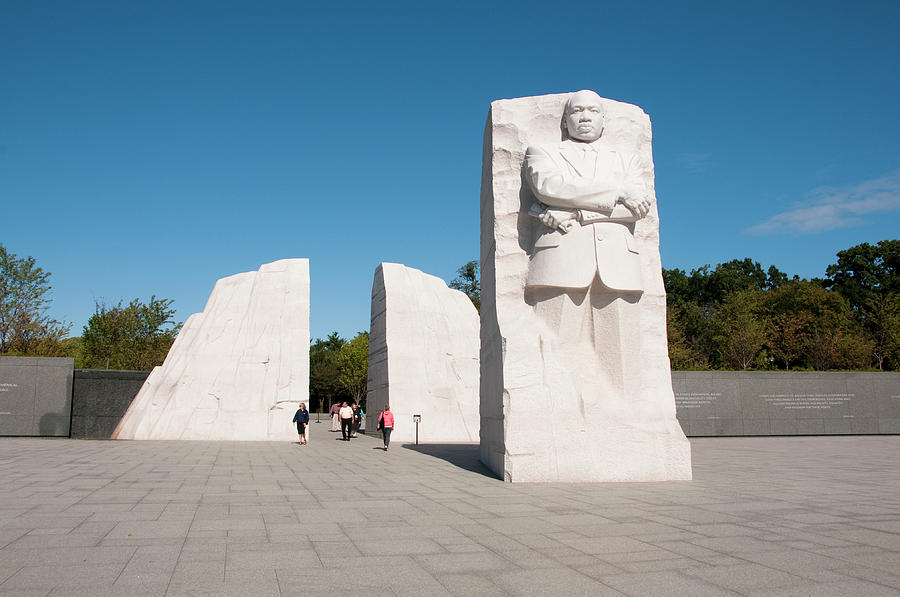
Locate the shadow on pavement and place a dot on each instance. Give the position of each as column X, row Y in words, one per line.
column 465, row 456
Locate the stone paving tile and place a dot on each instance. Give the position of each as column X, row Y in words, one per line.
column 667, row 583
column 798, row 562
column 379, row 547
column 743, row 577
column 402, row 578
column 656, row 565
column 462, row 562
column 84, row 575
column 470, row 585
column 835, row 589
column 878, row 576
column 527, row 558
column 271, row 559
column 606, row 545
column 552, row 583
column 63, row 556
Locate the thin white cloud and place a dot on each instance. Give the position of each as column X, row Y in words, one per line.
column 694, row 162
column 828, row 208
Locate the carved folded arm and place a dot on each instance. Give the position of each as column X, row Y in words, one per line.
column 553, row 186
column 635, row 185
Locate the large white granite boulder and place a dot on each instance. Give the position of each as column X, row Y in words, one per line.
column 423, row 357
column 575, row 376
column 239, row 369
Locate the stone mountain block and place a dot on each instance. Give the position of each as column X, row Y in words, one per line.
column 238, row 370
column 423, row 357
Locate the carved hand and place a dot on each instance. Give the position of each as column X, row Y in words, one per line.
column 563, row 221
column 640, row 207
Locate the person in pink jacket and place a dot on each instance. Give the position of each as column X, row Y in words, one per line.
column 386, row 423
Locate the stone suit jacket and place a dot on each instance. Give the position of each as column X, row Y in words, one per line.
column 564, row 176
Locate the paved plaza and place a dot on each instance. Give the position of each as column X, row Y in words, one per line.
column 764, row 516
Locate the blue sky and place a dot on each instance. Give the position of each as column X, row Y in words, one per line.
column 154, row 147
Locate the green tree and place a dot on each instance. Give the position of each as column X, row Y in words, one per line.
column 353, row 361
column 824, row 333
column 682, row 354
column 136, row 336
column 324, row 370
column 785, row 340
column 25, row 327
column 741, row 330
column 467, row 281
column 868, row 276
column 883, row 324
column 865, row 271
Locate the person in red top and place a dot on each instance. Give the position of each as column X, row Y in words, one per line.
column 386, row 422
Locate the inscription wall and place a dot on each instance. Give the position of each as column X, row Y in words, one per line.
column 35, row 396
column 711, row 403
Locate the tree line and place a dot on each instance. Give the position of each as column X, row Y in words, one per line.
column 733, row 316
column 738, row 316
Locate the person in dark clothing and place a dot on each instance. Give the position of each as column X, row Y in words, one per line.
column 301, row 418
column 358, row 415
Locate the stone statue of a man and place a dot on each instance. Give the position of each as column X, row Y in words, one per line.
column 573, row 316
column 584, row 276
column 589, row 197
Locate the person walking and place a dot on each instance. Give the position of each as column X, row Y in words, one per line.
column 346, row 414
column 335, row 417
column 358, row 415
column 386, row 423
column 301, row 418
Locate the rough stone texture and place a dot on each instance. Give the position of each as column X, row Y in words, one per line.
column 545, row 416
column 423, row 357
column 35, row 396
column 787, row 403
column 236, row 371
column 100, row 398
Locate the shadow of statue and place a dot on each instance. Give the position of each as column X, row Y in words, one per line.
column 464, row 456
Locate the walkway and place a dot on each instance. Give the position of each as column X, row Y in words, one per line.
column 764, row 516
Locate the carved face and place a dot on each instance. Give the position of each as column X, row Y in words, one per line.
column 584, row 116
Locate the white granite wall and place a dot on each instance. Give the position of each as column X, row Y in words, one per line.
column 239, row 369
column 423, row 357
